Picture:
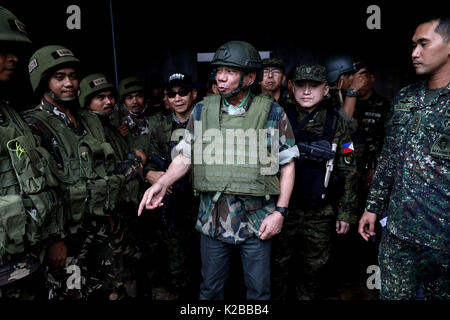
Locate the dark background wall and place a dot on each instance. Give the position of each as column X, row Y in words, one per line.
column 155, row 38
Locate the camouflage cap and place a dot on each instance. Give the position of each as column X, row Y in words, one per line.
column 273, row 62
column 313, row 72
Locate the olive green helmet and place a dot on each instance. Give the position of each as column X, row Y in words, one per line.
column 92, row 84
column 238, row 54
column 130, row 85
column 241, row 55
column 46, row 59
column 11, row 29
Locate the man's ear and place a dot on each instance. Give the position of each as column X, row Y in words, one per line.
column 327, row 88
column 251, row 77
column 194, row 94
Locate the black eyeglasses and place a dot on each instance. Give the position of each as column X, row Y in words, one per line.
column 181, row 93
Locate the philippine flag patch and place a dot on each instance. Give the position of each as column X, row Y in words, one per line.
column 348, row 147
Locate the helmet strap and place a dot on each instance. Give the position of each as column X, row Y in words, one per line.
column 239, row 88
column 58, row 99
column 138, row 114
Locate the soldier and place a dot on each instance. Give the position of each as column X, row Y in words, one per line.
column 368, row 123
column 136, row 123
column 85, row 166
column 173, row 226
column 30, row 207
column 345, row 76
column 411, row 183
column 238, row 204
column 325, row 176
column 273, row 78
column 98, row 95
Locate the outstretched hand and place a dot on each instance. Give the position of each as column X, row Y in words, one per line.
column 152, row 198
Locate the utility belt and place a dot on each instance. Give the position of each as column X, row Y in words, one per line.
column 93, row 196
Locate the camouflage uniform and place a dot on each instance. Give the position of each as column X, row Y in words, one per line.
column 234, row 219
column 89, row 245
column 30, row 207
column 367, row 128
column 173, row 243
column 303, row 249
column 411, row 188
column 126, row 251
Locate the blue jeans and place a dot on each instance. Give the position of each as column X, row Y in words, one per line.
column 255, row 259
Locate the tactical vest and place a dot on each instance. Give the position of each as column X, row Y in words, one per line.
column 88, row 164
column 310, row 168
column 29, row 210
column 131, row 190
column 235, row 178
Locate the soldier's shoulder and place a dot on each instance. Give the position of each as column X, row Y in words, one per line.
column 31, row 111
column 411, row 88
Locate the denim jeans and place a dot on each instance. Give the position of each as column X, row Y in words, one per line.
column 255, row 259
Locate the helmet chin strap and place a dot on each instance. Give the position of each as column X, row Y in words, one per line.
column 236, row 91
column 137, row 114
column 102, row 113
column 55, row 97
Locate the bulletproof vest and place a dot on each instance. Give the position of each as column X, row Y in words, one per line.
column 29, row 209
column 88, row 164
column 130, row 192
column 234, row 178
column 310, row 168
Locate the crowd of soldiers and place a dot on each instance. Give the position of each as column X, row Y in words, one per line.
column 105, row 196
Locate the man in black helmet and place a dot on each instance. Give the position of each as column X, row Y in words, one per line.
column 241, row 204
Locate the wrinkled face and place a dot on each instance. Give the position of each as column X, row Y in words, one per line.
column 309, row 93
column 64, row 83
column 180, row 99
column 135, row 102
column 227, row 79
column 272, row 80
column 102, row 102
column 430, row 53
column 8, row 63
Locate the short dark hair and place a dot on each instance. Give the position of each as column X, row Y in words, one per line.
column 443, row 27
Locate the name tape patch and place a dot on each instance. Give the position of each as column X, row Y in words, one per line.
column 32, row 65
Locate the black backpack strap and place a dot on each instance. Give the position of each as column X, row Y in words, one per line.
column 329, row 129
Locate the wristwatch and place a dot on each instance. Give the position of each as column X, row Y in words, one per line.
column 283, row 210
column 351, row 93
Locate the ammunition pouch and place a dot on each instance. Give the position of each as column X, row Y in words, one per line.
column 12, row 224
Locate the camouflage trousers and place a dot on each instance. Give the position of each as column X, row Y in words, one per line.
column 405, row 266
column 300, row 253
column 95, row 264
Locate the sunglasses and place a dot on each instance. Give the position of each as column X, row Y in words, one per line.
column 181, row 93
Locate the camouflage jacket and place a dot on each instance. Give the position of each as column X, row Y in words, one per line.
column 139, row 130
column 411, row 183
column 367, row 127
column 159, row 139
column 235, row 218
column 344, row 163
